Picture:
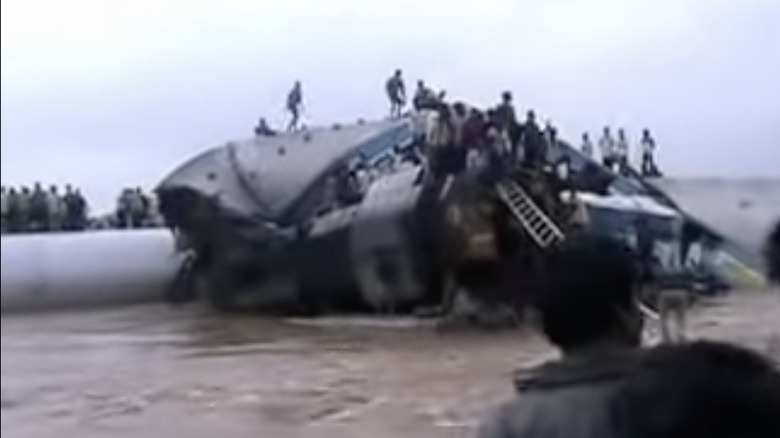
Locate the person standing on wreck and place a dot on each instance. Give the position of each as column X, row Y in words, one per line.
column 621, row 152
column 533, row 143
column 649, row 167
column 587, row 146
column 589, row 309
column 396, row 92
column 607, row 146
column 295, row 105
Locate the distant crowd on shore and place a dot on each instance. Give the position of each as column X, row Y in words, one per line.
column 40, row 210
column 136, row 209
column 615, row 152
column 36, row 210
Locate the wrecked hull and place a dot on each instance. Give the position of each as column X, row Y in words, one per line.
column 349, row 219
column 268, row 231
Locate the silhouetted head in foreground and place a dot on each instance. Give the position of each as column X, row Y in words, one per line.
column 699, row 390
column 772, row 252
column 589, row 295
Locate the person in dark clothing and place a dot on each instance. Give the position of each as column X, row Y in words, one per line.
column 505, row 119
column 533, row 143
column 124, row 209
column 702, row 389
column 505, row 112
column 424, row 98
column 460, row 116
column 81, row 210
column 75, row 209
column 772, row 253
column 589, row 309
column 39, row 209
column 70, row 219
column 295, row 105
column 5, row 210
column 20, row 211
column 691, row 232
column 649, row 168
column 486, row 161
column 444, row 156
column 263, row 130
column 141, row 208
column 474, row 130
column 13, row 211
column 645, row 248
column 552, row 154
column 396, row 92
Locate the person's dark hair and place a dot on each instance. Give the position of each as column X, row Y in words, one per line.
column 460, row 109
column 772, row 252
column 702, row 389
column 588, row 292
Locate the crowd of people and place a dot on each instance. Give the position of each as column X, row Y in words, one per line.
column 40, row 210
column 26, row 210
column 136, row 209
column 606, row 384
column 615, row 152
column 525, row 141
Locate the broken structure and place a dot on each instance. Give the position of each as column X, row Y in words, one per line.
column 349, row 218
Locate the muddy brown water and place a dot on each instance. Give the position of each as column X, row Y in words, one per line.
column 152, row 371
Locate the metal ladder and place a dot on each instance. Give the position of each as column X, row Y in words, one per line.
column 538, row 225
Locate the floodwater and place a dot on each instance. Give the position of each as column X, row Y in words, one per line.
column 153, row 371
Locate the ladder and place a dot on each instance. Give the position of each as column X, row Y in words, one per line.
column 538, row 225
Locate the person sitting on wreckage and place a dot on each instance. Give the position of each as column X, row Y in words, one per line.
column 263, row 130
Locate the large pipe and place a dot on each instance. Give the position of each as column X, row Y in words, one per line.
column 55, row 271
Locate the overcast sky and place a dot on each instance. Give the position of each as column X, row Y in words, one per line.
column 109, row 93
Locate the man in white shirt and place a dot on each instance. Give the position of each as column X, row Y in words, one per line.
column 607, row 146
column 587, row 146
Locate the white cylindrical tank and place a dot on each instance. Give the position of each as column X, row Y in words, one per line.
column 53, row 271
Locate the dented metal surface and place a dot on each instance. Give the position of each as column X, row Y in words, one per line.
column 269, row 177
column 267, row 219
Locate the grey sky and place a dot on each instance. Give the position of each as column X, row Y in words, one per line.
column 108, row 93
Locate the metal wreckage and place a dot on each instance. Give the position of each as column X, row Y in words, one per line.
column 351, row 219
